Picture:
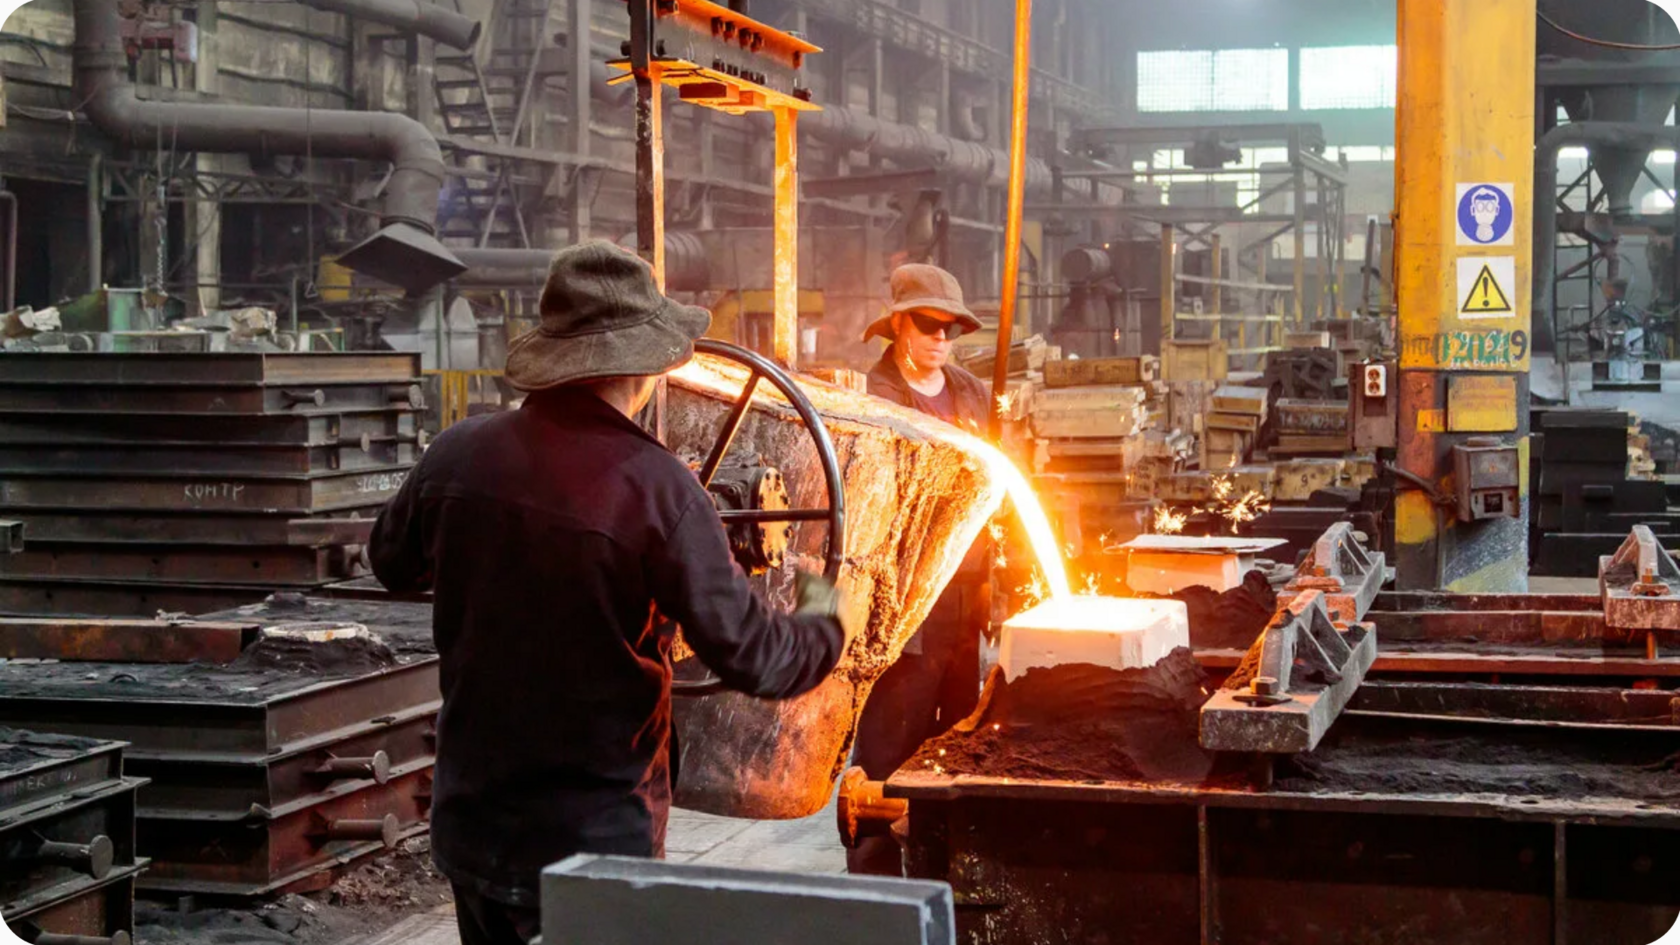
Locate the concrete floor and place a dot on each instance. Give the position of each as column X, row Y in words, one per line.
column 811, row 845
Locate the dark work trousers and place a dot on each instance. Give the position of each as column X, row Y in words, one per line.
column 488, row 922
column 919, row 697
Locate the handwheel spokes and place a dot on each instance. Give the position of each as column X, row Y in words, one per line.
column 731, row 426
column 834, row 516
column 761, row 516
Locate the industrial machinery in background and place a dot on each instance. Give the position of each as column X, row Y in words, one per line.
column 1611, row 69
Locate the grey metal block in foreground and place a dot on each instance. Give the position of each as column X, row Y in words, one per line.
column 611, row 900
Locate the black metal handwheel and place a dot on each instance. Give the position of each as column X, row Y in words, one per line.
column 834, row 514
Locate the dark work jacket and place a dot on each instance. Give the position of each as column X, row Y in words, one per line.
column 974, row 406
column 550, row 537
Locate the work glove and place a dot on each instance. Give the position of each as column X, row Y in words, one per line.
column 817, row 595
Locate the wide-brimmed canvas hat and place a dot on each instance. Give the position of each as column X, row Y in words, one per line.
column 920, row 287
column 603, row 316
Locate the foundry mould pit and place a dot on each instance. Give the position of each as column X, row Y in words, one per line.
column 915, row 502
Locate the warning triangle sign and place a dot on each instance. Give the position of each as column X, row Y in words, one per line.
column 1485, row 295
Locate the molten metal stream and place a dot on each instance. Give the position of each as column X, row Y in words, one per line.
column 1026, row 506
column 706, row 373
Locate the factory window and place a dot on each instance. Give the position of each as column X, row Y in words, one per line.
column 1348, row 77
column 1225, row 80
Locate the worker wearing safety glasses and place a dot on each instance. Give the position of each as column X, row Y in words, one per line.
column 936, row 682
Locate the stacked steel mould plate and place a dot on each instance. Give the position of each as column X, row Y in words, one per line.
column 67, row 860
column 281, row 740
column 193, row 482
column 1582, row 500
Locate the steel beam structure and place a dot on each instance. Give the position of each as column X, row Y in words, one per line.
column 1459, row 125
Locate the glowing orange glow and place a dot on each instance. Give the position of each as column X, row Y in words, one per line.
column 1169, row 522
column 1248, row 507
column 1039, row 533
column 726, row 379
column 1235, row 511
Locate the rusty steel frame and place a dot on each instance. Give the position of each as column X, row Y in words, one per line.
column 1239, row 867
column 265, row 854
column 92, row 828
column 342, row 526
column 210, row 730
column 1640, row 586
column 48, row 780
column 296, row 777
column 1349, row 574
column 292, row 430
column 291, row 495
column 273, row 567
column 1287, row 710
column 33, row 597
column 99, row 911
column 124, row 641
column 205, row 459
column 70, row 369
column 1489, row 637
column 215, row 399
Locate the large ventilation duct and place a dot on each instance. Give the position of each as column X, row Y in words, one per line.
column 410, row 16
column 1635, row 22
column 405, row 252
column 686, row 267
column 967, row 161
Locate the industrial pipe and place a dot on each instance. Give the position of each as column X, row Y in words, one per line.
column 410, row 16
column 1631, row 135
column 686, row 267
column 967, row 161
column 403, row 253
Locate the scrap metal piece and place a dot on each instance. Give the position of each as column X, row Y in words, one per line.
column 1640, row 584
column 1348, row 573
column 1308, row 667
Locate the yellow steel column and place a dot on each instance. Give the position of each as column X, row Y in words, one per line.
column 1465, row 121
column 785, row 261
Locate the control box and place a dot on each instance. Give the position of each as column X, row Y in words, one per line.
column 1486, row 473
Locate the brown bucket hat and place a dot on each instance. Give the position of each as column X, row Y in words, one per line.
column 918, row 286
column 603, row 316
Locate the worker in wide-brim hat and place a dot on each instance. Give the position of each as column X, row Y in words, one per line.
column 936, row 682
column 927, row 314
column 553, row 538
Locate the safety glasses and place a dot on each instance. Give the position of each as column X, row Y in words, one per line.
column 928, row 325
